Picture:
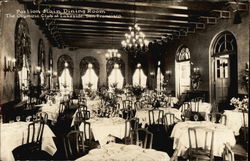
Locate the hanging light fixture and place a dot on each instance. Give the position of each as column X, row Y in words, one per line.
column 135, row 41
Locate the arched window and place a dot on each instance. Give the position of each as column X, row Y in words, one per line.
column 139, row 78
column 65, row 73
column 183, row 70
column 116, row 77
column 90, row 79
column 89, row 69
column 183, row 54
column 225, row 44
column 22, row 56
column 115, row 72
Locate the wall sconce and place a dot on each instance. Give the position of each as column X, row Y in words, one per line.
column 168, row 74
column 9, row 64
column 152, row 74
column 48, row 73
column 196, row 70
column 37, row 70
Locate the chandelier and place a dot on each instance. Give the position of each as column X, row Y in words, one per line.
column 112, row 54
column 135, row 42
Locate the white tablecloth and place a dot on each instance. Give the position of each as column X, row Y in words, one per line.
column 15, row 134
column 235, row 120
column 121, row 152
column 143, row 116
column 52, row 110
column 103, row 127
column 204, row 107
column 92, row 105
column 222, row 135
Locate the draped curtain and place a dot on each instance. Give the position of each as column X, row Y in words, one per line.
column 111, row 63
column 41, row 62
column 60, row 64
column 84, row 66
column 110, row 66
column 22, row 47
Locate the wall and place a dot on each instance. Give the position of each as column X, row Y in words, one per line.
column 200, row 44
column 79, row 54
column 7, row 47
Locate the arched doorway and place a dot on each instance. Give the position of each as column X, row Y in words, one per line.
column 182, row 70
column 224, row 69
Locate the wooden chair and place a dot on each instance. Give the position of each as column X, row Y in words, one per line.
column 137, row 105
column 185, row 106
column 218, row 118
column 142, row 137
column 195, row 104
column 127, row 104
column 159, row 119
column 90, row 142
column 74, row 144
column 131, row 124
column 169, row 119
column 43, row 116
column 31, row 150
column 205, row 151
column 61, row 108
column 82, row 114
column 128, row 113
column 228, row 154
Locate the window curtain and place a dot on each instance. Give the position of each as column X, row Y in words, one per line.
column 41, row 62
column 22, row 47
column 110, row 66
column 84, row 67
column 60, row 65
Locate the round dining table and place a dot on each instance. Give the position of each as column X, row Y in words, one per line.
column 143, row 115
column 121, row 152
column 15, row 134
column 222, row 135
column 103, row 127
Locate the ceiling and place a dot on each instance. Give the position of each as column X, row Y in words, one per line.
column 103, row 23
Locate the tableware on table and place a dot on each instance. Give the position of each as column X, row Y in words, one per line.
column 18, row 118
column 27, row 119
column 11, row 121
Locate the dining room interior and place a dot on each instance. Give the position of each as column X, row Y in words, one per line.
column 110, row 80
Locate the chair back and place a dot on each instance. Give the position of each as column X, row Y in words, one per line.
column 42, row 116
column 142, row 137
column 169, row 119
column 218, row 118
column 195, row 103
column 127, row 104
column 185, row 106
column 131, row 124
column 128, row 113
column 74, row 143
column 82, row 114
column 155, row 116
column 61, row 108
column 228, row 154
column 198, row 134
column 137, row 105
column 35, row 132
